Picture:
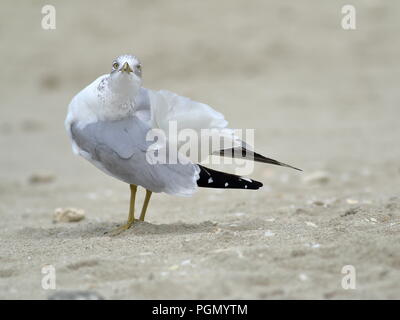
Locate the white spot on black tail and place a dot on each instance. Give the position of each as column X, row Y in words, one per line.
column 210, row 178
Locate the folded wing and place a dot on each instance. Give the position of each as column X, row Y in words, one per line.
column 197, row 126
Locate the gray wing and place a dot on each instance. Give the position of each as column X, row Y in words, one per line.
column 142, row 100
column 119, row 149
column 142, row 105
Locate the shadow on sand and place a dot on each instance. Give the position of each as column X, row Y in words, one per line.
column 100, row 229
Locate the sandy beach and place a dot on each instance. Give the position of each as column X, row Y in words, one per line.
column 319, row 97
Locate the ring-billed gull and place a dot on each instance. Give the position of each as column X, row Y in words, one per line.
column 109, row 122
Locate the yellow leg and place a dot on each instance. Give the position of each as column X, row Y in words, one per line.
column 145, row 205
column 131, row 216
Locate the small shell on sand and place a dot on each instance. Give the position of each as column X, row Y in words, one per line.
column 318, row 203
column 311, row 224
column 174, row 267
column 186, row 262
column 269, row 233
column 303, row 277
column 317, row 177
column 68, row 215
column 42, row 177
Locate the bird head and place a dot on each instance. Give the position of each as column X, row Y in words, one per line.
column 126, row 74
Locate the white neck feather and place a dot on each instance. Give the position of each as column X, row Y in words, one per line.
column 105, row 99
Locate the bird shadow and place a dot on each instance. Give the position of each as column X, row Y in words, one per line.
column 102, row 229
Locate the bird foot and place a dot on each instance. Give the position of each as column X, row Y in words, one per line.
column 119, row 230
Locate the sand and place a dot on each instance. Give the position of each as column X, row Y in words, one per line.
column 319, row 97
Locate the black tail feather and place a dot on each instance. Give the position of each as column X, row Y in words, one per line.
column 210, row 178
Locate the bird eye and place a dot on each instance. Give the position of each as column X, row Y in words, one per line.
column 115, row 65
column 139, row 67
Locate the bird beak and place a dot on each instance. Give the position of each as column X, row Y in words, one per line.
column 126, row 68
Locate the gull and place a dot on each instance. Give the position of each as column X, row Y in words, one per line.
column 108, row 123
